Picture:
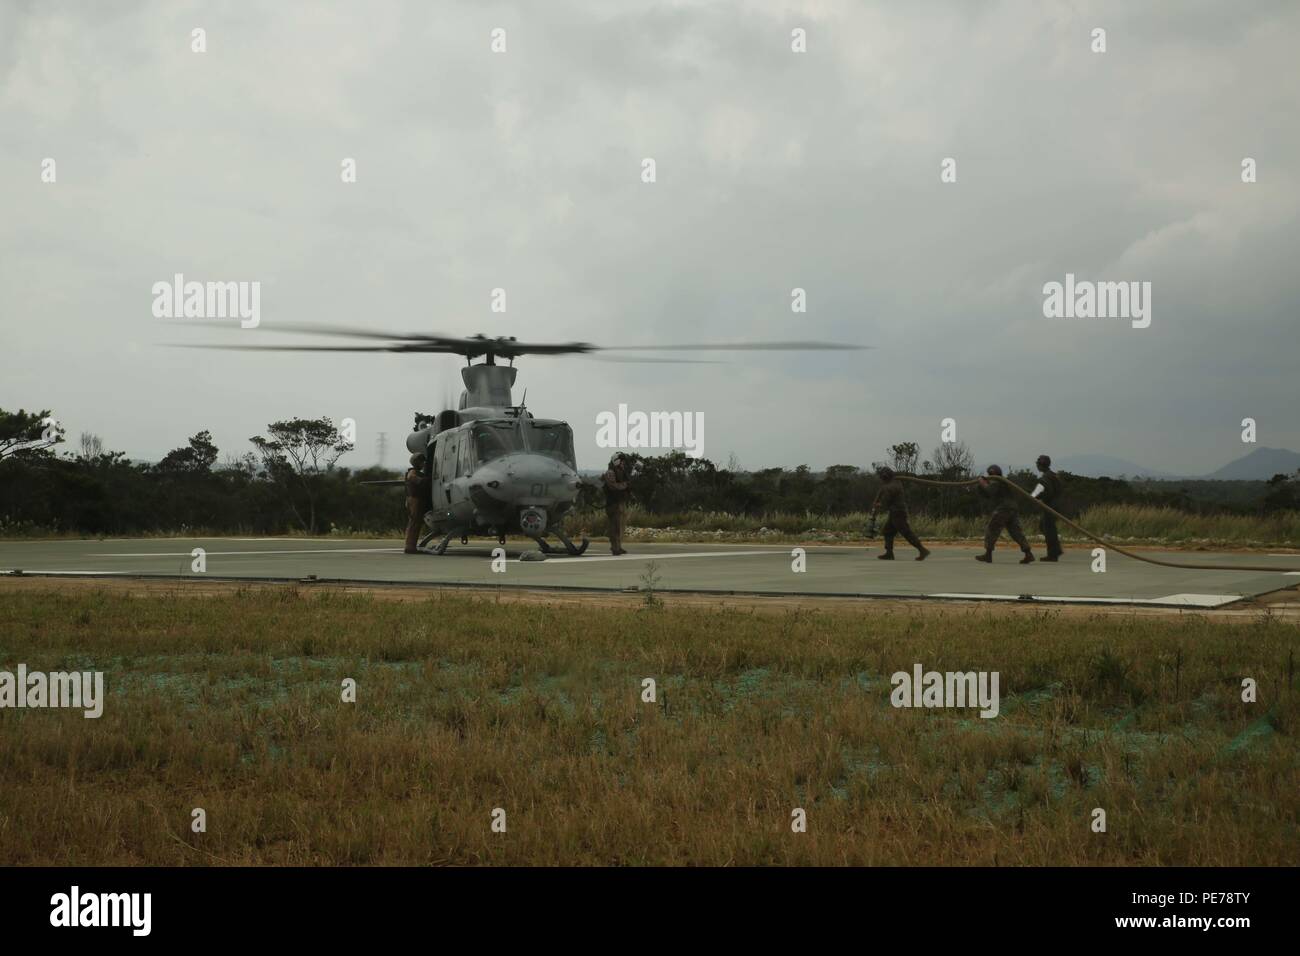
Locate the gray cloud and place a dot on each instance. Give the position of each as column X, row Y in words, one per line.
column 775, row 170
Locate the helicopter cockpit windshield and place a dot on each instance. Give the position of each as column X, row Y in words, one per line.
column 554, row 439
column 494, row 439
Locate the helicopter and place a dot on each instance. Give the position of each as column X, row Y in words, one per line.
column 495, row 468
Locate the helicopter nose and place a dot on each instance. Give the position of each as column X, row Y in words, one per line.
column 543, row 477
column 495, row 481
column 527, row 476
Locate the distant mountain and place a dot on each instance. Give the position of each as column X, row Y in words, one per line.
column 1260, row 465
column 1106, row 466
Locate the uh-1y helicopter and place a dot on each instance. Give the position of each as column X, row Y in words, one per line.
column 495, row 468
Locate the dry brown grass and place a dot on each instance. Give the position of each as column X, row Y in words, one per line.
column 230, row 702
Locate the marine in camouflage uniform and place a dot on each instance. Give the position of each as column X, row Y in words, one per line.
column 615, row 481
column 1050, row 483
column 418, row 488
column 890, row 497
column 1004, row 515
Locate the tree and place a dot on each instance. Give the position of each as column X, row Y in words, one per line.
column 1283, row 493
column 299, row 453
column 953, row 461
column 195, row 459
column 244, row 466
column 92, row 447
column 26, row 432
column 904, row 456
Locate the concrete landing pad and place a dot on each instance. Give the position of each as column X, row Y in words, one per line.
column 949, row 573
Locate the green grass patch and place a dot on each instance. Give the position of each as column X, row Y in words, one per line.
column 464, row 704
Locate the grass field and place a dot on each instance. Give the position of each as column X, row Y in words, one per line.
column 465, row 704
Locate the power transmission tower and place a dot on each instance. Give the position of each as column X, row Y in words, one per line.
column 382, row 448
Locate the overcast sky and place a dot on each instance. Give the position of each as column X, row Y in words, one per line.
column 775, row 170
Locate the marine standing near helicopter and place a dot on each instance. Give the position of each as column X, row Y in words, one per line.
column 418, row 486
column 615, row 481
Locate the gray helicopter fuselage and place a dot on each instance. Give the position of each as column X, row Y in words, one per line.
column 500, row 471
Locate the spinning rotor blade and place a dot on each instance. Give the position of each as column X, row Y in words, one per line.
column 620, row 358
column 502, row 347
column 408, row 347
column 347, row 331
column 736, row 347
column 469, row 346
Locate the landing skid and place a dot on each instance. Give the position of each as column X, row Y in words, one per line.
column 573, row 550
column 570, row 548
column 440, row 548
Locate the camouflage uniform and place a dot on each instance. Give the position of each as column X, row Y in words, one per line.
column 1004, row 516
column 615, row 481
column 892, row 500
column 418, row 488
column 1050, row 496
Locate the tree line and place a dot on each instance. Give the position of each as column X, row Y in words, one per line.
column 291, row 481
column 675, row 483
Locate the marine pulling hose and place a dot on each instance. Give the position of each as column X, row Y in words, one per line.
column 1088, row 534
